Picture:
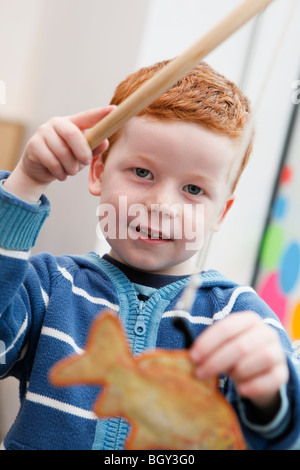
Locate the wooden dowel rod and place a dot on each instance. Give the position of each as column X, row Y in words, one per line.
column 173, row 71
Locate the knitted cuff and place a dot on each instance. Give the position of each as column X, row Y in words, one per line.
column 20, row 221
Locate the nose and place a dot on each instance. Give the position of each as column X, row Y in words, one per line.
column 162, row 198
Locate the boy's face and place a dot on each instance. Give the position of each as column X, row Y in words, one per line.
column 164, row 186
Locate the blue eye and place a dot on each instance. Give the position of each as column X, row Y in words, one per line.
column 193, row 189
column 142, row 172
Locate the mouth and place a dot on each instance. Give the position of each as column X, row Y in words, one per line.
column 149, row 233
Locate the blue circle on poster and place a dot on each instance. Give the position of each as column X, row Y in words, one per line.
column 280, row 208
column 290, row 268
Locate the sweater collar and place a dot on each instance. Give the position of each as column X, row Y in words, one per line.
column 144, row 278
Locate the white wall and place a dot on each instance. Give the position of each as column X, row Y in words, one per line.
column 174, row 25
column 62, row 56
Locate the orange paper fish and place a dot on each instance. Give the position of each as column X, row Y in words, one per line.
column 156, row 392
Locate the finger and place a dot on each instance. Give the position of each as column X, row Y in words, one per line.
column 265, row 383
column 226, row 357
column 258, row 362
column 62, row 151
column 220, row 333
column 47, row 161
column 73, row 138
column 89, row 118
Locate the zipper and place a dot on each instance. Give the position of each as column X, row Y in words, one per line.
column 140, row 326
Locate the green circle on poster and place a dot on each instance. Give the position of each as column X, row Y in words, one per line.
column 272, row 247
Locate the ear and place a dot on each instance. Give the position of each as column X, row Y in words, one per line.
column 95, row 176
column 223, row 213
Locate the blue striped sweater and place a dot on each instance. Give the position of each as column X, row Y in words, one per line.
column 47, row 305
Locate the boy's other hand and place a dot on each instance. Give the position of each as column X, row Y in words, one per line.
column 57, row 149
column 249, row 351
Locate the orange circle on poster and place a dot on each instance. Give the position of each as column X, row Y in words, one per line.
column 296, row 322
column 286, row 174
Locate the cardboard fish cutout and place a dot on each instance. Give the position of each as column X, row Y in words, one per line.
column 156, row 392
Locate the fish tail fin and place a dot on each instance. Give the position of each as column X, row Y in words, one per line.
column 106, row 347
column 107, row 341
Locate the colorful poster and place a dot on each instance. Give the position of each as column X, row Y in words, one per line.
column 277, row 274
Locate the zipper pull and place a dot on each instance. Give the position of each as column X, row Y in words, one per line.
column 140, row 326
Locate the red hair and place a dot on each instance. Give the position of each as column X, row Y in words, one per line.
column 203, row 96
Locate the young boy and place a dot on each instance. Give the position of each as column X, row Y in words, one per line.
column 175, row 157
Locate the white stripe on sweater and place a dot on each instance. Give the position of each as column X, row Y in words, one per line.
column 273, row 322
column 2, row 446
column 227, row 309
column 45, row 297
column 53, row 333
column 19, row 334
column 15, row 254
column 222, row 313
column 81, row 292
column 60, row 406
column 217, row 316
column 238, row 291
column 190, row 318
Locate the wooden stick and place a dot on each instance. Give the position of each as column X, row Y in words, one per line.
column 173, row 71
